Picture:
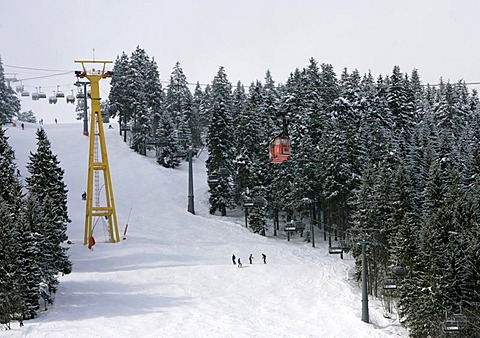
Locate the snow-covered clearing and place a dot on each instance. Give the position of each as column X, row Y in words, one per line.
column 173, row 276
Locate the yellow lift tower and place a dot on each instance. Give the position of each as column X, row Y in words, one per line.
column 104, row 206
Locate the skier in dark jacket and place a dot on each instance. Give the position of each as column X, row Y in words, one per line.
column 264, row 257
column 239, row 263
column 250, row 258
column 233, row 259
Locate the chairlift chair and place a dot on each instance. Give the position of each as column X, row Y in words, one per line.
column 255, row 202
column 42, row 95
column 334, row 249
column 80, row 95
column 70, row 99
column 35, row 96
column 59, row 93
column 52, row 99
column 213, row 178
column 389, row 283
column 455, row 323
column 25, row 93
column 399, row 272
column 19, row 88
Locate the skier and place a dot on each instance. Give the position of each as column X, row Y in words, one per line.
column 56, row 121
column 23, row 126
column 239, row 263
column 250, row 258
column 264, row 257
column 18, row 173
column 84, row 196
column 233, row 259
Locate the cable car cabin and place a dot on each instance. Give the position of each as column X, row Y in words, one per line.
column 279, row 150
column 52, row 99
column 19, row 88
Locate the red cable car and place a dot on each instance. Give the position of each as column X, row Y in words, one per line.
column 279, row 149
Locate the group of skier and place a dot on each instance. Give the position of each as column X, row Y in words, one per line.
column 250, row 259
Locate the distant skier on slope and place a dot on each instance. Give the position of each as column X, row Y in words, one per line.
column 264, row 257
column 233, row 259
column 239, row 262
column 250, row 258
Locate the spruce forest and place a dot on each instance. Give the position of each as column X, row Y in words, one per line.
column 386, row 161
column 389, row 158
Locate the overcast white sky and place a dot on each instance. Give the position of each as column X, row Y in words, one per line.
column 437, row 37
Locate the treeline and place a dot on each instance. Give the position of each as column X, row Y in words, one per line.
column 33, row 223
column 389, row 154
column 9, row 102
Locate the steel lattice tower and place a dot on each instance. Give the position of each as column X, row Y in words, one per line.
column 98, row 168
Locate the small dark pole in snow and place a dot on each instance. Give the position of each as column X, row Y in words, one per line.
column 191, row 207
column 365, row 316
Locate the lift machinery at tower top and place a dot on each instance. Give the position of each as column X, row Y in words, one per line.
column 98, row 206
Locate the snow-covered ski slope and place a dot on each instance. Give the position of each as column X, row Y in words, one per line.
column 173, row 275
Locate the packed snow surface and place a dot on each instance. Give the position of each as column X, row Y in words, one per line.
column 173, row 276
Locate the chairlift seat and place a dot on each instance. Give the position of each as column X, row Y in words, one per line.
column 70, row 99
column 60, row 94
column 390, row 284
column 455, row 323
column 42, row 95
column 255, row 202
column 80, row 95
column 35, row 96
column 299, row 225
column 335, row 250
column 52, row 99
column 25, row 93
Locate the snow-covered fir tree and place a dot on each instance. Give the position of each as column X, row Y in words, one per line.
column 46, row 184
column 9, row 102
column 220, row 144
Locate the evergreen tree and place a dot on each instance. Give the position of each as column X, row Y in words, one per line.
column 10, row 245
column 220, row 144
column 121, row 91
column 9, row 102
column 178, row 105
column 46, row 184
column 167, row 144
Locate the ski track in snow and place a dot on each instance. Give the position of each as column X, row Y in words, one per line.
column 173, row 276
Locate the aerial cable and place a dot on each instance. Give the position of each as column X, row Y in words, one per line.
column 44, row 76
column 40, row 69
